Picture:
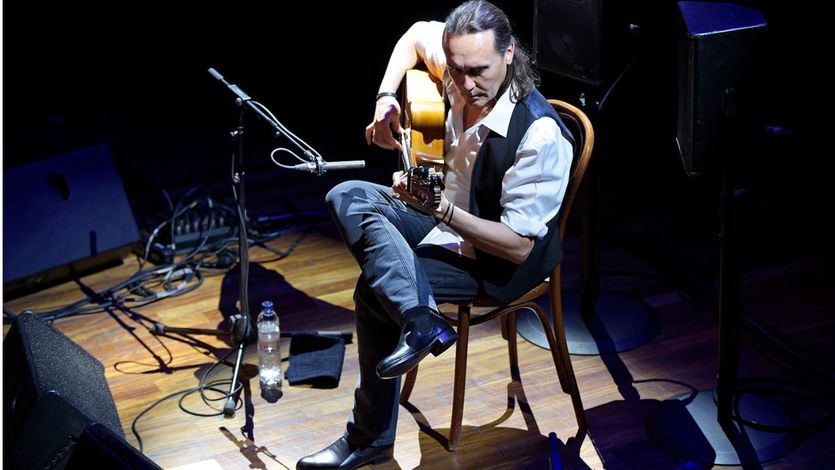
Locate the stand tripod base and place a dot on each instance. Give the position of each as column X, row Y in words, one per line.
column 687, row 427
column 620, row 323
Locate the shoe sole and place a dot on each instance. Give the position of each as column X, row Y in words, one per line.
column 443, row 342
column 375, row 461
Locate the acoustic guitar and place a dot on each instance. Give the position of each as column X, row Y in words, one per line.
column 423, row 140
column 423, row 119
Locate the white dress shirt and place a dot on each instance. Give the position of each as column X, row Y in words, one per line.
column 533, row 187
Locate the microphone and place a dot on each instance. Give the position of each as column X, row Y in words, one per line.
column 321, row 166
column 234, row 88
column 216, row 74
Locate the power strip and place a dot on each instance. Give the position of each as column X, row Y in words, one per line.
column 164, row 252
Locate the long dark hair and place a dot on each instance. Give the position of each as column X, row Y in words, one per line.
column 476, row 16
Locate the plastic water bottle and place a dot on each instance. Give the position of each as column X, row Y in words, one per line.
column 269, row 354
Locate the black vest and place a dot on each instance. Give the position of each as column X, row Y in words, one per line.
column 501, row 279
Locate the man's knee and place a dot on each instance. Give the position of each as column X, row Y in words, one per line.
column 337, row 194
column 353, row 197
column 338, row 199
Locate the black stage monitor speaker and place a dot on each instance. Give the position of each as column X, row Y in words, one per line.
column 52, row 391
column 720, row 51
column 64, row 215
column 567, row 38
column 99, row 447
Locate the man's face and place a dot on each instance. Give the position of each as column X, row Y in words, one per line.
column 477, row 70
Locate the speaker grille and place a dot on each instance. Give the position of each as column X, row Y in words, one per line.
column 567, row 38
column 57, row 364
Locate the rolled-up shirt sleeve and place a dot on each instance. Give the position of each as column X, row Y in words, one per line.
column 533, row 188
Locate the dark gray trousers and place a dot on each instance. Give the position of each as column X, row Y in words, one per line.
column 383, row 234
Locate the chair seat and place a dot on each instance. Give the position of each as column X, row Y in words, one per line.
column 532, row 294
column 495, row 307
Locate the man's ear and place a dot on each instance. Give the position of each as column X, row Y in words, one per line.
column 508, row 54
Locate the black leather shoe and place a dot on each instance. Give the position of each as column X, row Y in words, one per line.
column 343, row 455
column 423, row 332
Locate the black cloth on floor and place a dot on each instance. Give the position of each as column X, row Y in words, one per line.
column 316, row 360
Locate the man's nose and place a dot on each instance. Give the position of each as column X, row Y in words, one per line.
column 469, row 83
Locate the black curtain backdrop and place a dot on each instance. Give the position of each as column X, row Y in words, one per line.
column 135, row 75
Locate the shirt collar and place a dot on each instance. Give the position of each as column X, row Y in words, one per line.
column 498, row 119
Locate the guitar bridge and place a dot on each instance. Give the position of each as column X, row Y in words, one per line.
column 426, row 185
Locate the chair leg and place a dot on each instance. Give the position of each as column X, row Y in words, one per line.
column 512, row 350
column 556, row 355
column 503, row 323
column 562, row 360
column 408, row 385
column 460, row 381
column 559, row 333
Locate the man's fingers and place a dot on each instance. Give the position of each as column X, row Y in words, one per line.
column 369, row 133
column 384, row 138
column 397, row 130
column 385, row 130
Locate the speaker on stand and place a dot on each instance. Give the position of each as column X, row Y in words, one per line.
column 582, row 41
column 567, row 38
column 720, row 49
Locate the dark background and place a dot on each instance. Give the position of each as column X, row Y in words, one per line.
column 135, row 75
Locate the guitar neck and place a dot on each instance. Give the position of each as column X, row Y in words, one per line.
column 406, row 153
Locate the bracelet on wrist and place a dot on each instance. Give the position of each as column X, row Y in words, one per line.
column 451, row 212
column 385, row 93
column 443, row 217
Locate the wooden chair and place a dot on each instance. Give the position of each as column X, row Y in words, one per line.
column 581, row 128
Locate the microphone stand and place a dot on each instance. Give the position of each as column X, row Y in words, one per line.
column 243, row 102
column 238, row 186
column 242, row 330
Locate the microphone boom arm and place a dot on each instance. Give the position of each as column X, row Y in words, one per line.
column 316, row 163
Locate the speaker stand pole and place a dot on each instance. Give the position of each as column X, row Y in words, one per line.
column 595, row 321
column 601, row 321
column 706, row 426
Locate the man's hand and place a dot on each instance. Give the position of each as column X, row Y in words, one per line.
column 386, row 124
column 495, row 238
column 399, row 192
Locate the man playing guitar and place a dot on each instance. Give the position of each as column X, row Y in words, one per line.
column 491, row 232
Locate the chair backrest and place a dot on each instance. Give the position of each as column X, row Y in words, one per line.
column 580, row 126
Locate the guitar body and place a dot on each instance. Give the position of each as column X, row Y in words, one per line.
column 423, row 115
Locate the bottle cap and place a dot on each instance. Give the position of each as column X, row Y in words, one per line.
column 267, row 311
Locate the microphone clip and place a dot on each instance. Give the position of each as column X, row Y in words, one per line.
column 317, row 164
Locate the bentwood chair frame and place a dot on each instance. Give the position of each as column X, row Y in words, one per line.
column 583, row 133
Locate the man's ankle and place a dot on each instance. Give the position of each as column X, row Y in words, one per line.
column 418, row 313
column 422, row 319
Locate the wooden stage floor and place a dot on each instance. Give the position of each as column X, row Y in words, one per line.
column 506, row 423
